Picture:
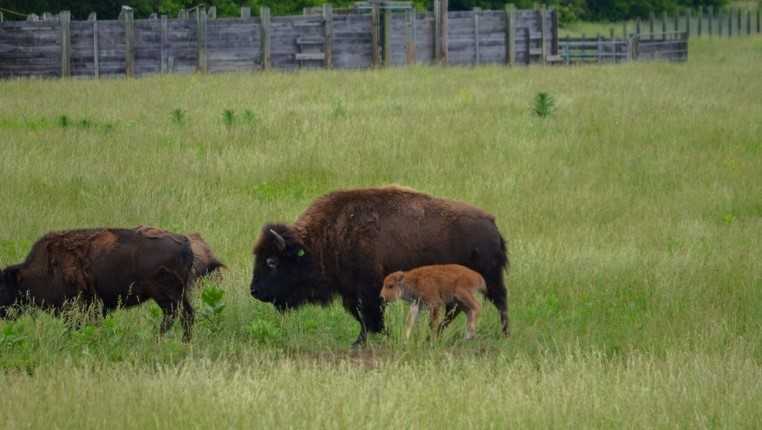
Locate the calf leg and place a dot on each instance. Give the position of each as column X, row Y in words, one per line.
column 472, row 307
column 412, row 315
column 434, row 322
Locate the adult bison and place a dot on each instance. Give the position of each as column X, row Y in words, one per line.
column 117, row 267
column 347, row 241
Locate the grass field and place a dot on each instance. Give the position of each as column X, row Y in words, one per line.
column 633, row 215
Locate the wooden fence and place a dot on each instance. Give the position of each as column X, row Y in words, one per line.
column 669, row 46
column 381, row 35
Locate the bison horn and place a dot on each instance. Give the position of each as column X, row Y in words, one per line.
column 280, row 239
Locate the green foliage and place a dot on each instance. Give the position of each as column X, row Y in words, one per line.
column 211, row 303
column 178, row 116
column 228, row 118
column 544, row 105
column 11, row 336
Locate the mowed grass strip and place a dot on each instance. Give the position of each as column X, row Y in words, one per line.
column 633, row 216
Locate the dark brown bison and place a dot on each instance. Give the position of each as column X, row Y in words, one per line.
column 117, row 267
column 346, row 242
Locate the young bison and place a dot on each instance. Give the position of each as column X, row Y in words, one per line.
column 436, row 286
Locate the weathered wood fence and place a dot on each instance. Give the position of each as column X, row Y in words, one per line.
column 382, row 34
column 669, row 46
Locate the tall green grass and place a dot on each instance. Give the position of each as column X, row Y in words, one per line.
column 633, row 216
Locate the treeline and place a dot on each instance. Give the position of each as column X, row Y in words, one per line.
column 571, row 10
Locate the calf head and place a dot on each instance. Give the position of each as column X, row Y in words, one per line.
column 284, row 272
column 392, row 289
column 8, row 288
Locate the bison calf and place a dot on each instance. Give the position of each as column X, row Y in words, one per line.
column 435, row 287
column 117, row 267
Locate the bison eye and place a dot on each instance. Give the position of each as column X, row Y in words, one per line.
column 272, row 262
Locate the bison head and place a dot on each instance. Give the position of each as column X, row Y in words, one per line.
column 392, row 289
column 8, row 289
column 205, row 263
column 284, row 273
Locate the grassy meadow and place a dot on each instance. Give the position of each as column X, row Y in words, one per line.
column 633, row 215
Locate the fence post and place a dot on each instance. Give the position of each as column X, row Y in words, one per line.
column 2, row 18
column 443, row 29
column 93, row 17
column 245, row 12
column 202, row 63
column 126, row 17
column 387, row 48
column 64, row 19
column 651, row 19
column 759, row 19
column 710, row 20
column 720, row 22
column 554, row 30
column 163, row 49
column 212, row 12
column 688, row 22
column 664, row 21
column 730, row 22
column 599, row 48
column 477, row 54
column 637, row 26
column 748, row 22
column 374, row 36
column 328, row 35
column 510, row 38
column 410, row 19
column 624, row 29
column 700, row 14
column 264, row 21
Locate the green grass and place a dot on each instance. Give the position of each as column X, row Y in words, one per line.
column 633, row 216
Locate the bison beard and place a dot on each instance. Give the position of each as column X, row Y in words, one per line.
column 346, row 242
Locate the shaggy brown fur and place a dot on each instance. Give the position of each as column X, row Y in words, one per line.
column 346, row 242
column 117, row 267
column 205, row 263
column 434, row 287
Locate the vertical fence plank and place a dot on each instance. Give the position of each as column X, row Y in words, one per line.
column 387, row 46
column 748, row 22
column 212, row 12
column 477, row 54
column 720, row 22
column 2, row 18
column 202, row 60
column 163, row 41
column 730, row 22
column 700, row 24
column 554, row 30
column 410, row 36
column 374, row 36
column 739, row 24
column 651, row 19
column 510, row 37
column 245, row 12
column 676, row 21
column 688, row 22
column 437, row 30
column 443, row 29
column 264, row 21
column 96, row 55
column 64, row 20
column 542, row 14
column 624, row 29
column 328, row 35
column 759, row 19
column 664, row 21
column 710, row 21
column 637, row 27
column 126, row 16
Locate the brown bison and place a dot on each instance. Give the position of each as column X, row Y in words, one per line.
column 117, row 267
column 205, row 263
column 347, row 241
column 435, row 287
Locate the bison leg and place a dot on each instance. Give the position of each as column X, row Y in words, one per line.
column 187, row 319
column 170, row 312
column 498, row 295
column 452, row 310
column 369, row 312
